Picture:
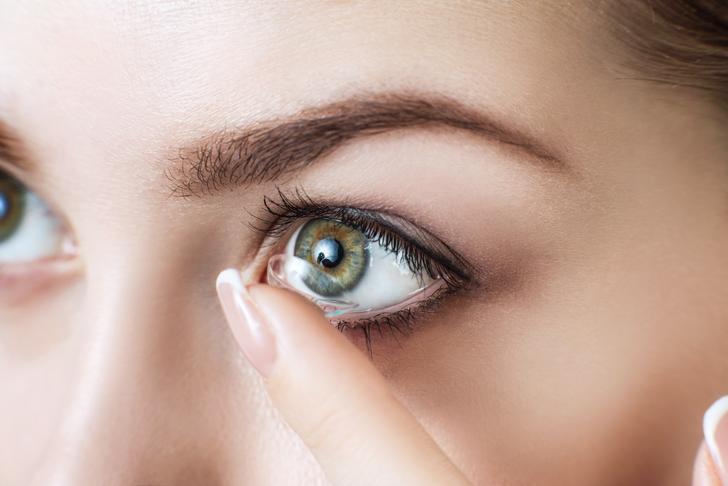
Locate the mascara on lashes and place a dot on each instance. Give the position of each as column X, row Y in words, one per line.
column 423, row 251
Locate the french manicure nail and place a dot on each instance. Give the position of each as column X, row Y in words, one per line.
column 715, row 427
column 251, row 331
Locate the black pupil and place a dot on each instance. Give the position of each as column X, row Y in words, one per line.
column 329, row 252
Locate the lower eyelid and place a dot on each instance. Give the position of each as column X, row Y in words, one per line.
column 370, row 333
column 19, row 282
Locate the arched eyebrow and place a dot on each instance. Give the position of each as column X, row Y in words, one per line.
column 268, row 151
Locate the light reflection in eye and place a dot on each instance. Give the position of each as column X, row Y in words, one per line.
column 348, row 275
column 4, row 207
column 339, row 252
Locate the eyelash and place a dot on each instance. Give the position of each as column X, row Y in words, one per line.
column 285, row 210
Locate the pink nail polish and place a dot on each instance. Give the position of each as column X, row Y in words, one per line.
column 251, row 331
column 715, row 427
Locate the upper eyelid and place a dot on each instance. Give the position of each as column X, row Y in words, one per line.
column 442, row 250
column 303, row 206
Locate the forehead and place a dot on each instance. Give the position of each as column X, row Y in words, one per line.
column 109, row 80
column 163, row 50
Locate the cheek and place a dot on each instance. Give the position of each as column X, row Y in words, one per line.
column 37, row 352
column 580, row 368
column 38, row 315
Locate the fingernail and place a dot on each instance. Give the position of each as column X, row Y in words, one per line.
column 251, row 331
column 715, row 427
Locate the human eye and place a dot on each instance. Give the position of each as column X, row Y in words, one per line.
column 365, row 268
column 30, row 232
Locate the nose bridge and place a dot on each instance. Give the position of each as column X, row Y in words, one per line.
column 148, row 367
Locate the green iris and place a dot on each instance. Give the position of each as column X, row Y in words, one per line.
column 12, row 205
column 338, row 251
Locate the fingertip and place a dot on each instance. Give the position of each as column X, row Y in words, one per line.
column 278, row 300
column 232, row 277
column 715, row 428
column 298, row 322
column 250, row 329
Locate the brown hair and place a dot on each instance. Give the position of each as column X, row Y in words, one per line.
column 679, row 42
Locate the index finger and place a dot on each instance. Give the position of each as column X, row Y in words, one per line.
column 329, row 392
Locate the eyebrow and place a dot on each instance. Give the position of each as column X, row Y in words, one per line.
column 267, row 151
column 11, row 148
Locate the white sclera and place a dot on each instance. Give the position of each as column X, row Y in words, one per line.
column 39, row 234
column 388, row 283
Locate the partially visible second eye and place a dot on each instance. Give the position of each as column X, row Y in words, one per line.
column 29, row 231
column 346, row 273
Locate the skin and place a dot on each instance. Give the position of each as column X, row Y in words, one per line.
column 591, row 363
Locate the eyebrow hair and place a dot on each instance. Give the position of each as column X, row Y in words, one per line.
column 11, row 148
column 267, row 151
